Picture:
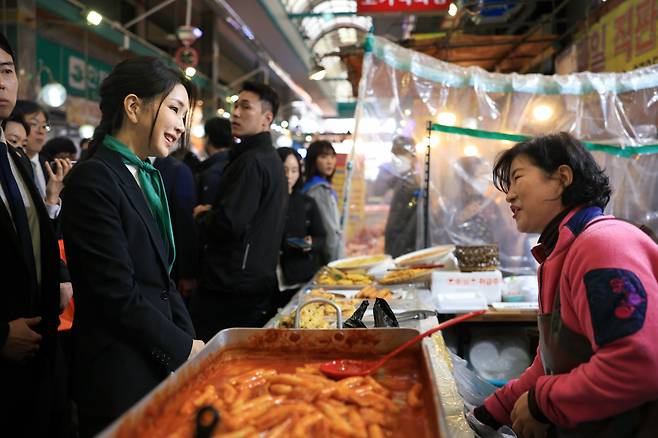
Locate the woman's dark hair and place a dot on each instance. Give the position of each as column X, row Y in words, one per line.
column 58, row 145
column 590, row 185
column 25, row 107
column 4, row 45
column 284, row 153
column 16, row 118
column 146, row 77
column 265, row 93
column 317, row 148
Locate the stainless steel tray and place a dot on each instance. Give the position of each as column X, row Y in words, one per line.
column 346, row 342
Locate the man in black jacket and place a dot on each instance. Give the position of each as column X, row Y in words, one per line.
column 30, row 358
column 244, row 226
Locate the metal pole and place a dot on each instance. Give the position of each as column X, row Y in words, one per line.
column 426, row 193
column 153, row 10
column 188, row 13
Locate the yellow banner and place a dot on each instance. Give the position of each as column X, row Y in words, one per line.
column 624, row 39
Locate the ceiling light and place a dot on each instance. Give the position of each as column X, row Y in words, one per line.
column 190, row 72
column 542, row 113
column 86, row 131
column 94, row 18
column 308, row 138
column 284, row 124
column 317, row 73
column 407, row 112
column 198, row 131
column 447, row 119
column 234, row 98
column 226, row 115
column 53, row 94
column 471, row 151
column 452, row 10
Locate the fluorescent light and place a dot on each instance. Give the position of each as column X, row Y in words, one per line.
column 190, row 72
column 542, row 113
column 94, row 18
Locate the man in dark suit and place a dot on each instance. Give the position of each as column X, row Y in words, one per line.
column 243, row 228
column 30, row 358
column 218, row 144
column 181, row 197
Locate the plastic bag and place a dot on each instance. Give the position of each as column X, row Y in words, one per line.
column 474, row 390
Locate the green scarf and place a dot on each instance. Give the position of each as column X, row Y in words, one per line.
column 153, row 189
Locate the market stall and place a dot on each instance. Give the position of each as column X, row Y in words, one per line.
column 268, row 380
column 453, row 121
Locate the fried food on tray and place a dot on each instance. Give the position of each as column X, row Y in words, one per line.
column 319, row 315
column 403, row 275
column 335, row 277
column 360, row 262
column 291, row 398
column 371, row 292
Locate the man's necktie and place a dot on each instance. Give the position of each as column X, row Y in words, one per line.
column 17, row 207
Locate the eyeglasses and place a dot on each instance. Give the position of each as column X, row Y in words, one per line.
column 36, row 125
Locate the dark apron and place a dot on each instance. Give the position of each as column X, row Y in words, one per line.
column 563, row 350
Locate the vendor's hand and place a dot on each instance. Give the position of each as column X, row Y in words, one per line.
column 65, row 294
column 197, row 346
column 56, row 179
column 186, row 286
column 201, row 209
column 523, row 423
column 22, row 342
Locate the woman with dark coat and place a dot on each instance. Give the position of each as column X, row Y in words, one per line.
column 131, row 327
column 303, row 235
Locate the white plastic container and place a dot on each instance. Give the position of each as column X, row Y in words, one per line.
column 487, row 283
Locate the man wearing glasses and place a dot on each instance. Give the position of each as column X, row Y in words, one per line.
column 49, row 181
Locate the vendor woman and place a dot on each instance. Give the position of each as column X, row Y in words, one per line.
column 596, row 370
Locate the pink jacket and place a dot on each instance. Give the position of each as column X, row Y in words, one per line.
column 609, row 294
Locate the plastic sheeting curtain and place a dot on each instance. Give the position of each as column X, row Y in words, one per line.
column 473, row 115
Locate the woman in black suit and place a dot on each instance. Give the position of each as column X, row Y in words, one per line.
column 131, row 328
column 303, row 235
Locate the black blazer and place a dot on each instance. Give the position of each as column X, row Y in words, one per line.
column 131, row 328
column 23, row 386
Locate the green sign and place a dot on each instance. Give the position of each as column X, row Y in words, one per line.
column 68, row 68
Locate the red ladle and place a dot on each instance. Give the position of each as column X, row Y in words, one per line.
column 341, row 368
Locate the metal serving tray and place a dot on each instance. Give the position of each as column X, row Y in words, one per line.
column 325, row 342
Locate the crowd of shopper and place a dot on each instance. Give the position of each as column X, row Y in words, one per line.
column 148, row 254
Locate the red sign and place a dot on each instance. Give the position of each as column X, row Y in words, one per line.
column 374, row 6
column 186, row 57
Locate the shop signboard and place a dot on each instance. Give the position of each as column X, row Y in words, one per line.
column 624, row 39
column 400, row 6
column 68, row 67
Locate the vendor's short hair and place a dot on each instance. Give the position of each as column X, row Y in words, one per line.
column 590, row 185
